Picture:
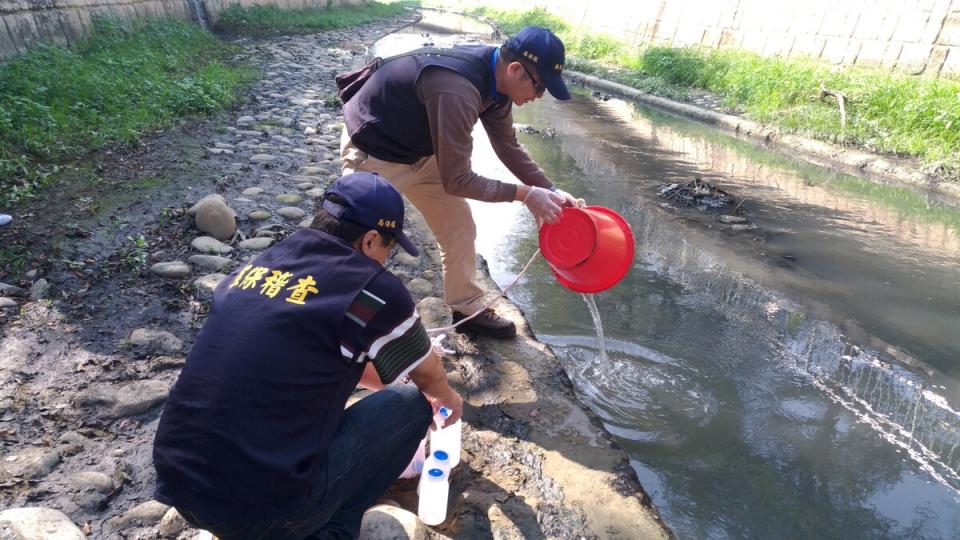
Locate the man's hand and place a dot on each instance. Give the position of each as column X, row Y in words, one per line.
column 453, row 402
column 544, row 204
column 569, row 200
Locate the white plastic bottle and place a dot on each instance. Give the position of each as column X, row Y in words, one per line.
column 434, row 490
column 446, row 438
column 416, row 464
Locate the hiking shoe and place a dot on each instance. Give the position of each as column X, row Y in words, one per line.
column 487, row 323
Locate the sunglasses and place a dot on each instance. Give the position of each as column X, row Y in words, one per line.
column 538, row 87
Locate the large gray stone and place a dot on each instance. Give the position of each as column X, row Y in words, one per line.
column 213, row 197
column 141, row 515
column 420, row 287
column 30, row 463
column 206, row 284
column 291, row 212
column 289, row 198
column 256, row 243
column 11, row 290
column 433, row 312
column 172, row 524
column 259, row 215
column 38, row 524
column 171, row 269
column 210, row 246
column 211, row 262
column 7, row 302
column 138, row 397
column 386, row 522
column 156, row 340
column 216, row 219
column 91, row 481
column 39, row 289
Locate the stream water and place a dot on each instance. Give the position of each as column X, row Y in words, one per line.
column 799, row 380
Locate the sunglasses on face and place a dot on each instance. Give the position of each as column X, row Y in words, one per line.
column 538, row 87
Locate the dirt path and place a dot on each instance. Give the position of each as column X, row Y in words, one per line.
column 92, row 338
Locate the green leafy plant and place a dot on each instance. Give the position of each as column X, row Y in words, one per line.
column 136, row 257
column 261, row 20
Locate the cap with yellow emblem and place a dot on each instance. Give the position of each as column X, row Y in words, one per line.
column 543, row 49
column 371, row 201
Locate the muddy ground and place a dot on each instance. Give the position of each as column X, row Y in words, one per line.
column 91, row 338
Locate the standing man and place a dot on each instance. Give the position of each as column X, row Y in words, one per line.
column 412, row 122
column 254, row 441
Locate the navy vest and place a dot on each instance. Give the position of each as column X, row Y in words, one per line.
column 386, row 119
column 265, row 384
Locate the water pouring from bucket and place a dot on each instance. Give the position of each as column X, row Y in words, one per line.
column 589, row 249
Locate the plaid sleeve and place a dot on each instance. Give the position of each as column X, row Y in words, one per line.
column 382, row 325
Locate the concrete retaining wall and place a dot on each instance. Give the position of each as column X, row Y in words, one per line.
column 913, row 36
column 24, row 23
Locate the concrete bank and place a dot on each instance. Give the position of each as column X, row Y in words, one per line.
column 905, row 172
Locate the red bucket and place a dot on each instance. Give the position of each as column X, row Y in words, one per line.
column 589, row 249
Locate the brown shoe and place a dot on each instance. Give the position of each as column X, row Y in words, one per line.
column 487, row 323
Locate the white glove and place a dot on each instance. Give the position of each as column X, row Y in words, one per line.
column 544, row 204
column 570, row 200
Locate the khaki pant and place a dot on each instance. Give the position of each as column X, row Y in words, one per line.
column 447, row 215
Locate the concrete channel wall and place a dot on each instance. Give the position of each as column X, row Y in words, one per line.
column 912, row 36
column 24, row 23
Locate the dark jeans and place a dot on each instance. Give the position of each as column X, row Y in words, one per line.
column 372, row 446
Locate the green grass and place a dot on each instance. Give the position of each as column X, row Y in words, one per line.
column 886, row 113
column 58, row 103
column 271, row 20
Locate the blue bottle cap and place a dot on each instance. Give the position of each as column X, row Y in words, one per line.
column 441, row 455
column 444, row 412
column 436, row 473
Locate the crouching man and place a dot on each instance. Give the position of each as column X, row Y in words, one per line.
column 254, row 441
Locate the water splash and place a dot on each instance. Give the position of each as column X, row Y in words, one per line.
column 199, row 13
column 597, row 323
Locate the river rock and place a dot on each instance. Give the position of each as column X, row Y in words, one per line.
column 252, row 191
column 7, row 302
column 172, row 524
column 732, row 219
column 262, row 158
column 38, row 524
column 210, row 246
column 742, row 227
column 387, row 522
column 314, row 193
column 127, row 400
column 291, row 212
column 224, row 146
column 420, row 287
column 39, row 289
column 11, row 290
column 156, row 340
column 406, row 259
column 246, row 120
column 314, row 171
column 433, row 312
column 210, row 262
column 289, row 198
column 171, row 269
column 214, row 197
column 91, row 481
column 249, row 133
column 258, row 215
column 206, row 284
column 139, row 396
column 256, row 243
column 30, row 463
column 161, row 363
column 216, row 219
column 304, row 186
column 142, row 515
column 428, row 274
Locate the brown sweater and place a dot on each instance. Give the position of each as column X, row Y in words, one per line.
column 453, row 106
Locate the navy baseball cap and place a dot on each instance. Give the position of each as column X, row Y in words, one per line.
column 543, row 49
column 371, row 201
